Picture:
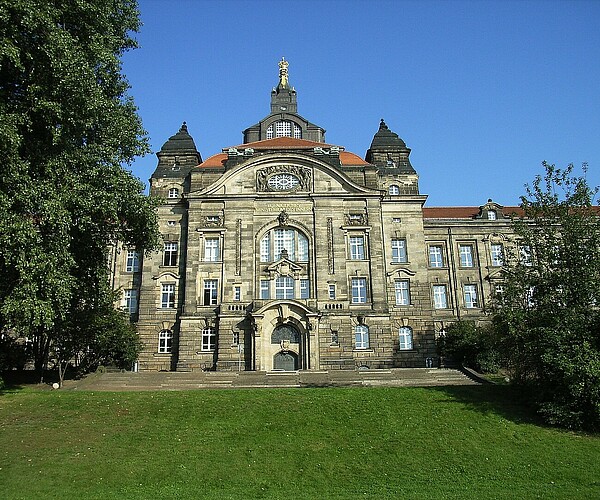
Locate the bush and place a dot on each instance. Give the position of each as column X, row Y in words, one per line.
column 471, row 345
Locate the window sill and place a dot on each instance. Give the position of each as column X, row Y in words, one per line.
column 162, row 354
column 363, row 349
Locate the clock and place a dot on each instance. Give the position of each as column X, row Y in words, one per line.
column 283, row 182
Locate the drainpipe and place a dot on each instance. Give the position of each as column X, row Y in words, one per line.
column 453, row 272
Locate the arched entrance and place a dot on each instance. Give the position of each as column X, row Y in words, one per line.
column 287, row 339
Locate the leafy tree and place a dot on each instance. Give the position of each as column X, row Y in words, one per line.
column 549, row 318
column 67, row 126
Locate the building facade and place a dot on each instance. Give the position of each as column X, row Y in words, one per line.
column 289, row 253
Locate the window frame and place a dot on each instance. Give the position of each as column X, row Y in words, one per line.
column 357, row 247
column 437, row 304
column 399, row 251
column 173, row 193
column 170, row 253
column 130, row 300
column 361, row 337
column 497, row 254
column 331, row 291
column 167, row 296
column 466, row 255
column 405, row 338
column 265, row 289
column 132, row 261
column 304, row 288
column 358, row 284
column 470, row 296
column 212, row 249
column 165, row 341
column 285, row 288
column 434, row 263
column 394, row 190
column 210, row 292
column 208, row 342
column 402, row 292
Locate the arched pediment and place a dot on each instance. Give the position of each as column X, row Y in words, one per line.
column 312, row 174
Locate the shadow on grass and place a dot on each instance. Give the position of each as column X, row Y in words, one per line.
column 510, row 402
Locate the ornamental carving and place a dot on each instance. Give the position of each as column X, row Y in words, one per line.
column 299, row 178
column 212, row 221
column 356, row 219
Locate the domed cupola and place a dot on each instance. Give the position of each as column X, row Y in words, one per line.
column 389, row 152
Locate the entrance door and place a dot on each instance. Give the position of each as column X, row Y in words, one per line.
column 287, row 361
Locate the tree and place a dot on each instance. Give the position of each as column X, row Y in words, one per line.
column 548, row 316
column 67, row 126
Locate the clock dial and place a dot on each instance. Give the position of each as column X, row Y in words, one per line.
column 283, row 182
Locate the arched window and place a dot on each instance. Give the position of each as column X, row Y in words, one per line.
column 284, row 128
column 277, row 240
column 165, row 341
column 361, row 334
column 173, row 193
column 405, row 338
column 394, row 189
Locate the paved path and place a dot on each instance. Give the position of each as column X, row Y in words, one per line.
column 172, row 381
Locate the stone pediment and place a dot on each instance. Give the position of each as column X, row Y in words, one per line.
column 284, row 267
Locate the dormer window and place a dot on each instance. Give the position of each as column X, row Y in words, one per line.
column 284, row 128
column 173, row 193
column 394, row 189
column 492, row 215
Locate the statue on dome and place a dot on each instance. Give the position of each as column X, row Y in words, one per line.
column 283, row 72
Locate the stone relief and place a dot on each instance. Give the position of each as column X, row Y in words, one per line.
column 303, row 174
column 356, row 219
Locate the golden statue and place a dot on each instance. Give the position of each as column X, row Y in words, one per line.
column 283, row 72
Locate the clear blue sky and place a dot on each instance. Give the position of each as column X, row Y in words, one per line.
column 481, row 91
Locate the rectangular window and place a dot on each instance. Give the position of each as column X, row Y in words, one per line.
column 436, row 258
column 357, row 247
column 440, row 300
column 402, row 289
column 167, row 296
column 331, row 291
column 209, row 339
column 304, row 289
column 361, row 335
column 405, row 339
column 359, row 290
column 283, row 129
column 132, row 265
column 470, row 296
column 237, row 293
column 265, row 291
column 211, row 249
column 165, row 341
column 130, row 301
column 170, row 254
column 497, row 254
column 466, row 255
column 210, row 292
column 399, row 250
column 284, row 288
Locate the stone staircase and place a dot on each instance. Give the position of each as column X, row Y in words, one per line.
column 173, row 381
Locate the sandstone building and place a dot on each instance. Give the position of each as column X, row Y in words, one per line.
column 289, row 253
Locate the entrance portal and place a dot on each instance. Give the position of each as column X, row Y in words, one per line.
column 287, row 361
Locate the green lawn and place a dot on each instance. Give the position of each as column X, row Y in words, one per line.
column 452, row 442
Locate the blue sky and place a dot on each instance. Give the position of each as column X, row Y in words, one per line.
column 481, row 91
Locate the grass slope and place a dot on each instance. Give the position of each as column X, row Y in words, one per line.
column 452, row 442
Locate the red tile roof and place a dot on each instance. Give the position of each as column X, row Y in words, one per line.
column 462, row 212
column 284, row 143
column 346, row 158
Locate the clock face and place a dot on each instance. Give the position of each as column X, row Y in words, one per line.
column 283, row 182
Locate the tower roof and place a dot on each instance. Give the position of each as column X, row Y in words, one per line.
column 386, row 138
column 181, row 142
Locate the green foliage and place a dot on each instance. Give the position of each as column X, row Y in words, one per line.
column 67, row 126
column 548, row 317
column 471, row 345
